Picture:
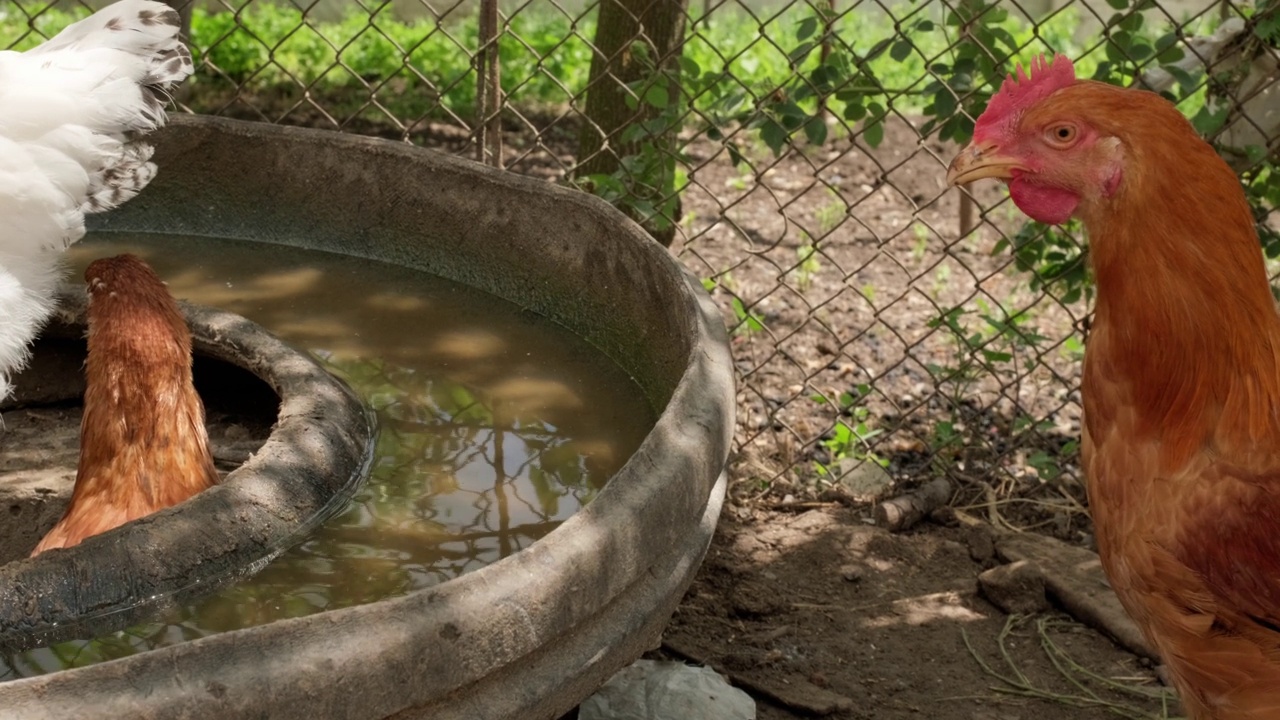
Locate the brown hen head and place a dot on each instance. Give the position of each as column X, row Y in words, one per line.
column 143, row 443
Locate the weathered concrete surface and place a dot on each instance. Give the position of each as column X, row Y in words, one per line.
column 315, row 458
column 528, row 637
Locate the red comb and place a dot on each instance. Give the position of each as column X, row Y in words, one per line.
column 1021, row 90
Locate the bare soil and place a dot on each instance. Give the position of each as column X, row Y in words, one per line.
column 821, row 613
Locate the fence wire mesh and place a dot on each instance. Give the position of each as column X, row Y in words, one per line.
column 886, row 330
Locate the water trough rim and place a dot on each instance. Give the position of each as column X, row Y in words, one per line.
column 367, row 671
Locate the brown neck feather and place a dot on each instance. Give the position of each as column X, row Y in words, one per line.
column 1186, row 330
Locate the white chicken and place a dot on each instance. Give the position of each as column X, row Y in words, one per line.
column 71, row 113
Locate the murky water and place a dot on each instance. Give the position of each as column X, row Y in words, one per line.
column 496, row 425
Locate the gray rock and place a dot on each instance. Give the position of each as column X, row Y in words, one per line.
column 664, row 690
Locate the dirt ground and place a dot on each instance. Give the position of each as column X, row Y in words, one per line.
column 819, row 613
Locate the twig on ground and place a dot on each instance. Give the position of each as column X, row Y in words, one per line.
column 1017, row 682
column 798, row 505
column 901, row 513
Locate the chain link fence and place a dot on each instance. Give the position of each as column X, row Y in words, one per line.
column 886, row 330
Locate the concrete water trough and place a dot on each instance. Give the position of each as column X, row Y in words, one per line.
column 531, row 635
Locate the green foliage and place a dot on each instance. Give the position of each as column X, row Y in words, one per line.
column 851, row 436
column 807, row 266
column 418, row 68
column 1052, row 254
column 963, row 86
column 986, row 348
column 747, row 321
column 987, row 343
column 648, row 182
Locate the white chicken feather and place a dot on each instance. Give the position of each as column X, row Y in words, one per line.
column 71, row 113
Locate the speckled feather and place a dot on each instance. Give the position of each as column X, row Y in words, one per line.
column 71, row 113
column 143, row 443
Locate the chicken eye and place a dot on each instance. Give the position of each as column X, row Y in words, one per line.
column 1062, row 136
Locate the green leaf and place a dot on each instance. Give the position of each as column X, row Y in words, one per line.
column 773, row 135
column 901, row 50
column 792, row 111
column 656, row 96
column 801, row 52
column 1207, row 121
column 1132, row 22
column 735, row 153
column 1140, row 51
column 873, row 133
column 1114, row 52
column 806, row 28
column 1268, row 28
column 816, row 130
column 877, row 49
column 1118, row 4
column 944, row 103
column 996, row 357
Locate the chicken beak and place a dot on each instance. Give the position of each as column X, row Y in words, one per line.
column 981, row 160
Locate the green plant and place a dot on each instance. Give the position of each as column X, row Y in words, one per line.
column 747, row 321
column 831, row 214
column 849, row 438
column 648, row 182
column 941, row 277
column 1052, row 256
column 807, row 265
column 990, row 346
column 417, row 68
column 921, row 243
column 987, row 343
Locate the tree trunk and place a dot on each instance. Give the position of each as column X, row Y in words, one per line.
column 659, row 25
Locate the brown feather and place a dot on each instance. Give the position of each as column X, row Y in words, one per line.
column 143, row 443
column 1181, row 390
column 1181, row 394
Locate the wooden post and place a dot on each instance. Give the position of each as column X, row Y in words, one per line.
column 966, row 213
column 488, row 88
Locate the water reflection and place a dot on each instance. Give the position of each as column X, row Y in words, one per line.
column 494, row 428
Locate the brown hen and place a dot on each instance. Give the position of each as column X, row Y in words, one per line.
column 143, row 444
column 1181, row 383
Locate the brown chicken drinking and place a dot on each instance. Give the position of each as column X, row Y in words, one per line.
column 143, row 444
column 1181, row 382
